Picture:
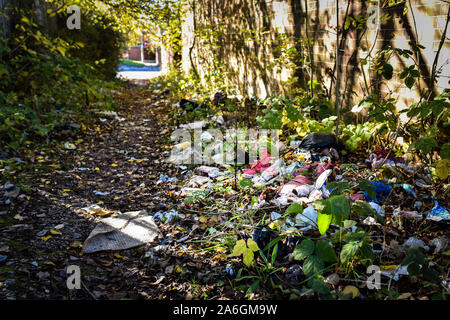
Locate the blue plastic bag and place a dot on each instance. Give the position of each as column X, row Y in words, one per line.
column 382, row 190
column 438, row 213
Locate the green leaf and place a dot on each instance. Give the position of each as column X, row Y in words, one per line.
column 413, row 269
column 261, row 253
column 367, row 186
column 445, row 151
column 349, row 251
column 404, row 73
column 319, row 286
column 274, row 253
column 349, row 223
column 245, row 183
column 253, row 287
column 415, row 73
column 248, row 257
column 312, row 265
column 322, row 206
column 414, row 255
column 442, row 169
column 325, row 251
column 409, row 82
column 424, row 144
column 363, row 209
column 387, row 71
column 340, row 209
column 303, row 250
column 294, row 208
column 239, row 248
column 430, row 275
column 252, row 245
column 347, row 24
column 338, row 187
column 323, row 221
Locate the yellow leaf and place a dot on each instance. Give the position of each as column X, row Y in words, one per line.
column 178, row 269
column 351, row 290
column 100, row 202
column 76, row 244
column 443, row 168
column 389, row 267
column 54, row 232
column 26, row 20
column 116, row 198
column 239, row 248
column 118, row 256
column 114, row 165
column 248, row 257
column 46, row 238
column 252, row 244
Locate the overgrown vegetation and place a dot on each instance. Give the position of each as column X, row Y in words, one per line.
column 49, row 79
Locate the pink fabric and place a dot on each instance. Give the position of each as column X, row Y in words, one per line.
column 299, row 180
column 250, row 172
column 262, row 163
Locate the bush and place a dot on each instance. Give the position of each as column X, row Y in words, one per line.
column 39, row 79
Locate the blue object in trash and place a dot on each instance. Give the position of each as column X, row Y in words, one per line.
column 382, row 190
column 407, row 187
column 438, row 213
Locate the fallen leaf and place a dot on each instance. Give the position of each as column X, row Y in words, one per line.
column 351, row 291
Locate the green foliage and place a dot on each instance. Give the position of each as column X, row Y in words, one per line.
column 430, row 130
column 299, row 116
column 315, row 256
column 246, row 249
column 424, row 144
column 357, row 136
column 417, row 265
column 294, row 208
column 357, row 248
column 366, row 185
column 338, row 187
column 335, row 210
column 102, row 45
column 362, row 208
column 33, row 64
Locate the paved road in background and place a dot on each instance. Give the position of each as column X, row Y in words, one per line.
column 138, row 73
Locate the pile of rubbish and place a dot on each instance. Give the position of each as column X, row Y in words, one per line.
column 303, row 173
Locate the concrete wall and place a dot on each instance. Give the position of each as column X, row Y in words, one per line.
column 246, row 36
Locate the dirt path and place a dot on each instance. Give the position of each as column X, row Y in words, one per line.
column 43, row 230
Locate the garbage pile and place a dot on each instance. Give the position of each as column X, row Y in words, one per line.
column 310, row 170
